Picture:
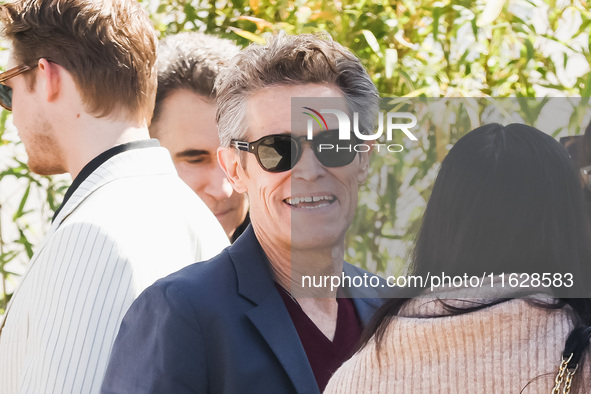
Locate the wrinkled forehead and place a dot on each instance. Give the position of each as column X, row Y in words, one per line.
column 316, row 114
column 294, row 109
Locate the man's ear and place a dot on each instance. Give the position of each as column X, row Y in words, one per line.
column 363, row 166
column 229, row 161
column 51, row 78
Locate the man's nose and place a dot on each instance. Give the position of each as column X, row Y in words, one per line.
column 218, row 186
column 308, row 167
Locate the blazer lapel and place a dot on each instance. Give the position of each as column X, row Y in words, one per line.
column 274, row 323
column 269, row 314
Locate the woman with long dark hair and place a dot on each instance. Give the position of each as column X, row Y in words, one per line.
column 506, row 209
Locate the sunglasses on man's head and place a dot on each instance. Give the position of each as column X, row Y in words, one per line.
column 5, row 90
column 281, row 152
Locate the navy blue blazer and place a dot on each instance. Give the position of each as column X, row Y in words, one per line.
column 218, row 326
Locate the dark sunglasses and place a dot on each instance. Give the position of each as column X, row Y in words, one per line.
column 5, row 90
column 281, row 152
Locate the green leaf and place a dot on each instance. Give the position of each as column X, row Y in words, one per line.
column 248, row 35
column 436, row 15
column 529, row 48
column 586, row 92
column 25, row 242
column 6, row 258
column 190, row 14
column 372, row 42
column 3, row 118
column 19, row 212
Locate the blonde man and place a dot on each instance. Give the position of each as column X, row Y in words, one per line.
column 81, row 83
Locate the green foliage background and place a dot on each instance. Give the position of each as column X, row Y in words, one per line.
column 412, row 48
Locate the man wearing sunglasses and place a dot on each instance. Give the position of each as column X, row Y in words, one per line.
column 81, row 85
column 243, row 322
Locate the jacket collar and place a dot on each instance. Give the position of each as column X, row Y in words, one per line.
column 136, row 162
column 95, row 163
column 129, row 163
column 255, row 280
column 269, row 315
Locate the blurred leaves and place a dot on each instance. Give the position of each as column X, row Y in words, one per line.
column 411, row 48
column 19, row 186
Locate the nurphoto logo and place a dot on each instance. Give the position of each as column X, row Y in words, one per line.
column 392, row 123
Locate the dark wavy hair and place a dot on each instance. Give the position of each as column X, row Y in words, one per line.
column 190, row 61
column 506, row 199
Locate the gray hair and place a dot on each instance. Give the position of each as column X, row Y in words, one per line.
column 190, row 61
column 292, row 60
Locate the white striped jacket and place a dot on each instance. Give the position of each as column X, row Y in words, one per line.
column 129, row 223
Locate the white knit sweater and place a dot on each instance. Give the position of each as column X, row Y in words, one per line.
column 512, row 347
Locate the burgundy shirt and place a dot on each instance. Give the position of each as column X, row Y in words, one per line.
column 325, row 357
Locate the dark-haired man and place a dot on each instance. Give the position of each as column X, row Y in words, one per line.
column 184, row 121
